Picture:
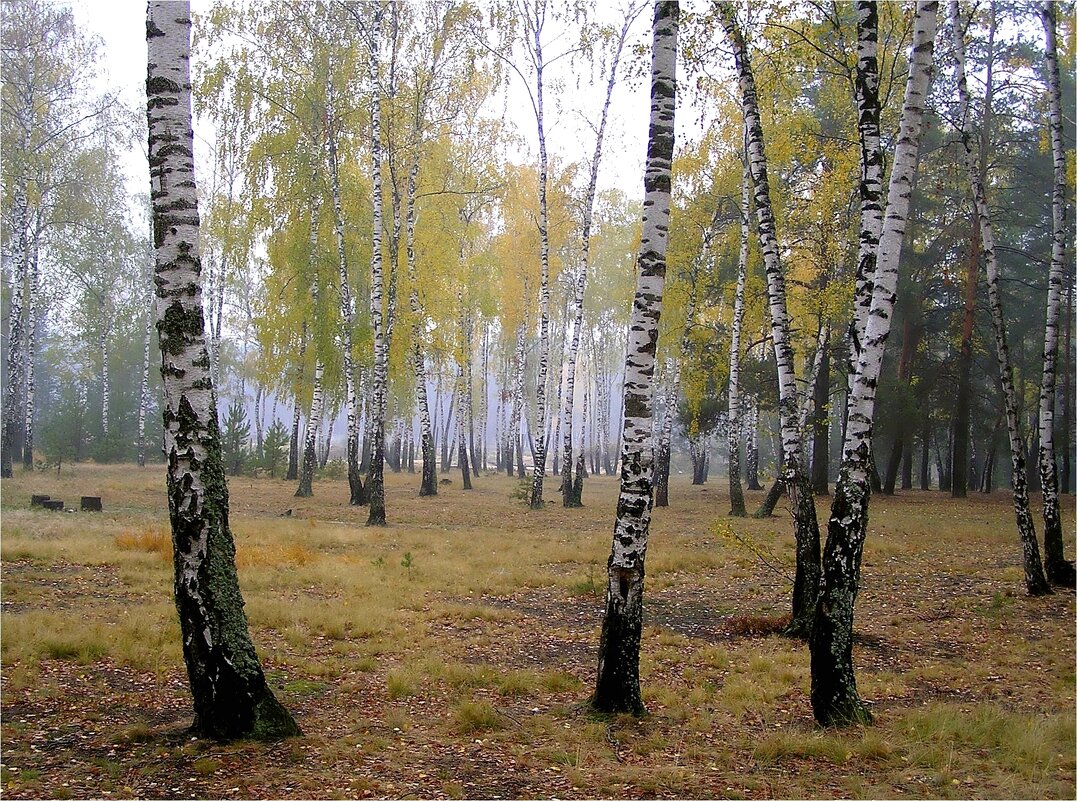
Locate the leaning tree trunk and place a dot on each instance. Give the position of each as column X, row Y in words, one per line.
column 834, row 696
column 1035, row 581
column 617, row 687
column 1059, row 570
column 375, row 477
column 736, row 491
column 793, row 476
column 231, row 696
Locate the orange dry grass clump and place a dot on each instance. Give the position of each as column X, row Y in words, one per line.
column 151, row 540
column 269, row 555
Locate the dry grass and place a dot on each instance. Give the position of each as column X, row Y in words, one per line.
column 463, row 676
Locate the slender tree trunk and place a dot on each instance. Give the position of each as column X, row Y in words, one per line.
column 347, row 318
column 795, row 480
column 317, row 400
column 517, row 401
column 736, row 492
column 484, row 402
column 820, row 461
column 31, row 356
column 105, row 370
column 568, row 494
column 662, row 453
column 375, row 483
column 461, row 437
column 310, row 442
column 18, row 252
column 834, row 696
column 539, row 431
column 231, row 696
column 751, row 444
column 1035, row 581
column 617, row 686
column 144, row 384
column 1067, row 396
column 1059, row 570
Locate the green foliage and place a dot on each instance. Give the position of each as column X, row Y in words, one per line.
column 235, row 439
column 275, row 444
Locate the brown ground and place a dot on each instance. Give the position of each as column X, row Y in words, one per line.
column 464, row 675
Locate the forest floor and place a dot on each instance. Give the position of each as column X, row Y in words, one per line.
column 451, row 653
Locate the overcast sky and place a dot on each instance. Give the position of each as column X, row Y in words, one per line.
column 120, row 24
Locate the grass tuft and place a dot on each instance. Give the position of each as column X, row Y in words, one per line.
column 476, row 716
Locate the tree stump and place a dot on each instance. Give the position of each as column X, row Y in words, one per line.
column 37, row 500
column 53, row 506
column 91, row 503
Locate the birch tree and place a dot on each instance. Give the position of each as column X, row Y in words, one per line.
column 834, row 696
column 796, row 482
column 736, row 492
column 1035, row 580
column 617, row 685
column 231, row 696
column 1058, row 569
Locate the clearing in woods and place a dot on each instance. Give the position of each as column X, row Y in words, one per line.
column 449, row 654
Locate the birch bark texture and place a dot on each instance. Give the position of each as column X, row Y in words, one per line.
column 793, row 477
column 231, row 697
column 1035, row 580
column 536, row 24
column 1059, row 570
column 375, row 476
column 736, row 491
column 617, row 687
column 834, row 696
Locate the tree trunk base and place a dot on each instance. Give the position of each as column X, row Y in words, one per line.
column 1061, row 574
column 617, row 689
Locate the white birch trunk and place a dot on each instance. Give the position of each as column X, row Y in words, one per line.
column 834, row 696
column 736, row 492
column 1058, row 569
column 231, row 696
column 617, row 686
column 793, row 477
column 31, row 355
column 1035, row 581
column 375, row 476
column 539, row 430
column 317, row 401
